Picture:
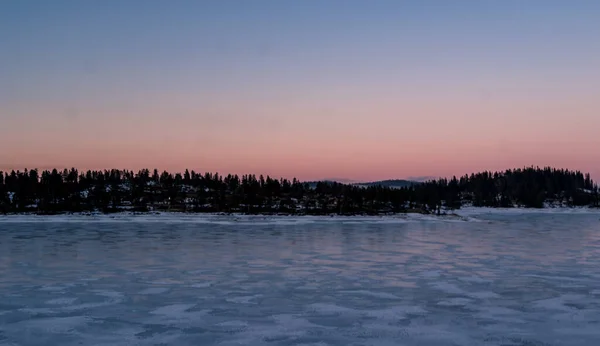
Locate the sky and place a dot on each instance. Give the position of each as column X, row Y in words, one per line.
column 313, row 89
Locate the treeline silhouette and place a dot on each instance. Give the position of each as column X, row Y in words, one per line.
column 118, row 190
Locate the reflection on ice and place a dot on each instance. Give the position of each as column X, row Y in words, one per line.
column 492, row 278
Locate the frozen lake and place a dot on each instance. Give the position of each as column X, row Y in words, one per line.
column 491, row 279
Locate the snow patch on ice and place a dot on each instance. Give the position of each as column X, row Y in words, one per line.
column 455, row 302
column 86, row 306
column 38, row 311
column 201, row 285
column 330, row 309
column 381, row 295
column 244, row 299
column 54, row 325
column 154, row 290
column 556, row 278
column 61, row 301
column 558, row 303
column 483, row 295
column 108, row 294
column 174, row 310
column 233, row 326
column 448, row 288
column 54, row 288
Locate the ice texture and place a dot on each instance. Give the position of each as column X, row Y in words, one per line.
column 488, row 277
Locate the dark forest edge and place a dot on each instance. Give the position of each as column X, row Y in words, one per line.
column 107, row 191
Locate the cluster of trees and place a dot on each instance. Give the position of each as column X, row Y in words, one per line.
column 116, row 190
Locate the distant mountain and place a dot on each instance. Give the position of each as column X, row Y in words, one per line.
column 423, row 178
column 340, row 180
column 313, row 184
column 391, row 183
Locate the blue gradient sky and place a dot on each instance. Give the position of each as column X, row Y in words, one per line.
column 356, row 89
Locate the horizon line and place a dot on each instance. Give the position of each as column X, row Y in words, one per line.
column 44, row 168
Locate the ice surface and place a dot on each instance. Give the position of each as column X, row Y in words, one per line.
column 381, row 295
column 488, row 277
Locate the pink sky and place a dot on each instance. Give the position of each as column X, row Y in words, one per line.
column 365, row 138
column 313, row 90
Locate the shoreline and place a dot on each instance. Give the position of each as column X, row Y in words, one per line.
column 300, row 214
column 460, row 215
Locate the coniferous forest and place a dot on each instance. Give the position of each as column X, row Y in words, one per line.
column 55, row 191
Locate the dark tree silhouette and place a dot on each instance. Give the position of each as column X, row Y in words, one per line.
column 115, row 190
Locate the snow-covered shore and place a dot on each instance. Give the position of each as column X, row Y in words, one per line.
column 461, row 215
column 228, row 218
column 471, row 211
